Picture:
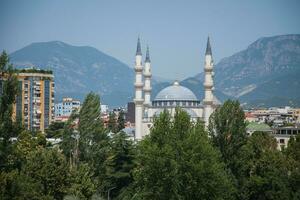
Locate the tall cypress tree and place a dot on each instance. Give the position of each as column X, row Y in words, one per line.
column 90, row 125
column 121, row 121
column 227, row 129
column 8, row 92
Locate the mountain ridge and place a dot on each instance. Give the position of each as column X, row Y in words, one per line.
column 244, row 74
column 267, row 69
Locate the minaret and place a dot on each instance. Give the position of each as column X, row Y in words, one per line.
column 147, row 78
column 208, row 84
column 138, row 100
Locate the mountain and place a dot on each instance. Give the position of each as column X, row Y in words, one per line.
column 265, row 74
column 79, row 70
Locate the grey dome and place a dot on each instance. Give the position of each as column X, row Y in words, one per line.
column 176, row 92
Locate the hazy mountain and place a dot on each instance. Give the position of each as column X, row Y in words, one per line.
column 80, row 69
column 267, row 73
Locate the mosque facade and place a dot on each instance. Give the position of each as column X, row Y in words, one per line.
column 170, row 97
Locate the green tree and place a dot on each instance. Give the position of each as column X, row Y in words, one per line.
column 49, row 168
column 177, row 161
column 55, row 130
column 94, row 141
column 15, row 185
column 293, row 155
column 90, row 126
column 262, row 170
column 119, row 165
column 112, row 123
column 23, row 147
column 268, row 178
column 227, row 129
column 121, row 121
column 70, row 137
column 82, row 184
column 8, row 92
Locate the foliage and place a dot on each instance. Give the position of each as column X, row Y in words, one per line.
column 9, row 90
column 34, row 70
column 83, row 186
column 177, row 161
column 121, row 121
column 227, row 129
column 112, row 123
column 262, row 169
column 293, row 156
column 90, row 125
column 48, row 168
column 119, row 164
column 55, row 130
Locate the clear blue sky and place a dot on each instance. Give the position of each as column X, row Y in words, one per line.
column 176, row 30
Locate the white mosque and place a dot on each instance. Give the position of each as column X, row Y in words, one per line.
column 170, row 97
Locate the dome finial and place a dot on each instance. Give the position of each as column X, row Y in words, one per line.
column 176, row 83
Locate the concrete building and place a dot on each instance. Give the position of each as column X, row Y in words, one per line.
column 283, row 135
column 64, row 109
column 170, row 97
column 35, row 101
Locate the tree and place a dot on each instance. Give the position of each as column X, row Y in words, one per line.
column 119, row 165
column 112, row 124
column 293, row 155
column 16, row 185
column 55, row 129
column 25, row 144
column 177, row 161
column 90, row 126
column 262, row 171
column 82, row 184
column 70, row 137
column 8, row 92
column 93, row 141
column 49, row 168
column 121, row 121
column 268, row 178
column 227, row 129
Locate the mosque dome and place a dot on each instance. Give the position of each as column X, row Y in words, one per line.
column 176, row 92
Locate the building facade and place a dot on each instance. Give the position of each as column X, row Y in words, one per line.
column 170, row 97
column 64, row 109
column 35, row 101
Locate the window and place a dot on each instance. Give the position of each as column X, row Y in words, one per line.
column 281, row 141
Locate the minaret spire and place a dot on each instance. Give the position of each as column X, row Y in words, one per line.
column 138, row 48
column 147, row 55
column 208, row 47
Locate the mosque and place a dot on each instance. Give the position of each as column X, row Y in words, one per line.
column 170, row 97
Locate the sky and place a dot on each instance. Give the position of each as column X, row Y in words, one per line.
column 175, row 30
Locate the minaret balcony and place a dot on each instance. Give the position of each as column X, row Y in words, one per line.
column 147, row 74
column 138, row 101
column 208, row 68
column 208, row 102
column 147, row 89
column 139, row 85
column 208, row 84
column 138, row 68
